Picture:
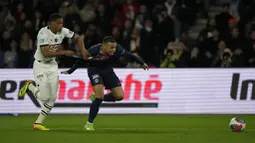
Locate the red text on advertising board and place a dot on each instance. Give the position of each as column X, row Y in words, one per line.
column 148, row 89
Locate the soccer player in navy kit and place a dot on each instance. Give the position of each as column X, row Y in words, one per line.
column 101, row 73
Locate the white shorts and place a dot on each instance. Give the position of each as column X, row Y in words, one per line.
column 46, row 78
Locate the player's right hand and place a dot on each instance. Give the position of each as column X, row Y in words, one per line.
column 145, row 67
column 64, row 72
column 69, row 53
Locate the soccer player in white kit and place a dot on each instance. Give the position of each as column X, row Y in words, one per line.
column 45, row 67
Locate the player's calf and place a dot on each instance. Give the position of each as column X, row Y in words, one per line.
column 94, row 107
column 109, row 97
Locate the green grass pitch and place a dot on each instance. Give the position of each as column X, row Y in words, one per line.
column 127, row 129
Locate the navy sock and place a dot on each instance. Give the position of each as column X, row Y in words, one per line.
column 109, row 97
column 94, row 108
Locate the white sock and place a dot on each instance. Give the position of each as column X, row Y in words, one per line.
column 34, row 90
column 44, row 113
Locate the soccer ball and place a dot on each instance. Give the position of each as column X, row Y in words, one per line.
column 237, row 124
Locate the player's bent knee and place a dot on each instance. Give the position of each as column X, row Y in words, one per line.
column 53, row 98
column 44, row 98
column 118, row 93
column 44, row 95
column 120, row 97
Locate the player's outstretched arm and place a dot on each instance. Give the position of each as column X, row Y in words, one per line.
column 132, row 57
column 73, row 68
column 81, row 46
column 53, row 50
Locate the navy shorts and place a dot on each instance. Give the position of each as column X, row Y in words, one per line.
column 107, row 77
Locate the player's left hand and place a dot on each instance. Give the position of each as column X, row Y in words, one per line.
column 64, row 72
column 145, row 67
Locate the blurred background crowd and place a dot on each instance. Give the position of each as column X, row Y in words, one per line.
column 161, row 32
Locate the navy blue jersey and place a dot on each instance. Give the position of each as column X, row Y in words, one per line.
column 103, row 61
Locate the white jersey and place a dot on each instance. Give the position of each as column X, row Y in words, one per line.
column 46, row 37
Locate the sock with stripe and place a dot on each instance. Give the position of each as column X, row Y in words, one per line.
column 44, row 113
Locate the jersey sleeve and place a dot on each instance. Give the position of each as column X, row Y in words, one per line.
column 42, row 39
column 124, row 53
column 68, row 33
column 91, row 52
column 77, row 64
column 119, row 51
column 94, row 50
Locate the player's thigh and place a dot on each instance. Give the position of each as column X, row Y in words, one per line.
column 42, row 83
column 97, row 84
column 110, row 79
column 99, row 91
column 53, row 81
column 118, row 92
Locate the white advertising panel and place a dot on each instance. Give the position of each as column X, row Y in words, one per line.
column 157, row 91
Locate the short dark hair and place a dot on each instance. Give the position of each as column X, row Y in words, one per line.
column 109, row 39
column 55, row 16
